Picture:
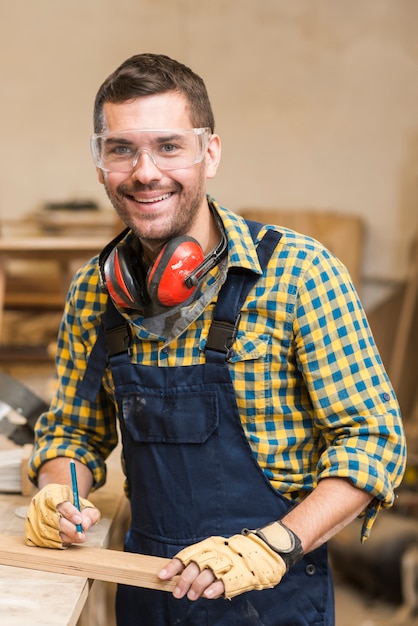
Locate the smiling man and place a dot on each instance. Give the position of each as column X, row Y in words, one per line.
column 255, row 414
column 160, row 199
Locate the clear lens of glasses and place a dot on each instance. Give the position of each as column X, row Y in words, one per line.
column 169, row 149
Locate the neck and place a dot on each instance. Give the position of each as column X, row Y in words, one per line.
column 205, row 229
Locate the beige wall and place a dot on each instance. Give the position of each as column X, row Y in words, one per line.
column 316, row 102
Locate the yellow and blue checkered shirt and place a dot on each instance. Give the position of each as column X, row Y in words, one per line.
column 312, row 393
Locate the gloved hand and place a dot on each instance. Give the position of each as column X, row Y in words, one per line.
column 42, row 519
column 253, row 560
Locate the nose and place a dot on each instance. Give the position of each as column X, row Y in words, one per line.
column 145, row 168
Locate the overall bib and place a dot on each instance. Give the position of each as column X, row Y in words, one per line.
column 192, row 474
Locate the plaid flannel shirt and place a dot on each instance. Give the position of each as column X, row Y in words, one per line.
column 312, row 393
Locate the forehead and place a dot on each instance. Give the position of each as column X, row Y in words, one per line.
column 166, row 110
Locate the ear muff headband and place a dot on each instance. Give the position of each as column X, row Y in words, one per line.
column 176, row 261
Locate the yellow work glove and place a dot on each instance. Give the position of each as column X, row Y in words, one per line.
column 42, row 519
column 253, row 560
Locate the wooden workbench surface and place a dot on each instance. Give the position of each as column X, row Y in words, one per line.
column 47, row 599
column 40, row 599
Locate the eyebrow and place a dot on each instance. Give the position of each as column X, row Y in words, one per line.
column 121, row 139
column 117, row 140
column 169, row 137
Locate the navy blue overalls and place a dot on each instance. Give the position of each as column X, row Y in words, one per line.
column 192, row 474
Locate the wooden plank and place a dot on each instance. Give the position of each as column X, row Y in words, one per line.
column 115, row 566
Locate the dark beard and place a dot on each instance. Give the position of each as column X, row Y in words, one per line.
column 191, row 204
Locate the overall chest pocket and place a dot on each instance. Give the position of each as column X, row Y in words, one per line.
column 171, row 417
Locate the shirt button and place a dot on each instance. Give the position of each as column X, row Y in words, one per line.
column 166, row 350
column 310, row 569
column 386, row 397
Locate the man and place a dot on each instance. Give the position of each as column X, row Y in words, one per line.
column 255, row 414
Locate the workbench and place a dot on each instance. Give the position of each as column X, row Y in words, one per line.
column 39, row 598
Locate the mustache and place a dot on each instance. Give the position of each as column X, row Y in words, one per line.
column 137, row 187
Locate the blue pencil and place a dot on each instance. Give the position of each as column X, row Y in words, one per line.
column 75, row 492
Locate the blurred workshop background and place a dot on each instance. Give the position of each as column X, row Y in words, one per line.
column 316, row 103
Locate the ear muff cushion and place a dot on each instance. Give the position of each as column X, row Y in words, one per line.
column 115, row 282
column 123, row 285
column 175, row 262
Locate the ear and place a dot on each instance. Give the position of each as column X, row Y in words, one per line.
column 100, row 175
column 213, row 156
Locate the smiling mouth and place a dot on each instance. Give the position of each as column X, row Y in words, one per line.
column 151, row 200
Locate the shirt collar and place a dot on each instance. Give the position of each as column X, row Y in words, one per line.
column 242, row 251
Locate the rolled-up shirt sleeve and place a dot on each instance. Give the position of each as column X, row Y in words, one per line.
column 74, row 427
column 355, row 406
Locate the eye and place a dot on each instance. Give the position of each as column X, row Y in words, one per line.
column 169, row 148
column 119, row 150
column 122, row 150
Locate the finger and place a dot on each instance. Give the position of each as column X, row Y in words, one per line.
column 205, row 585
column 205, row 582
column 68, row 540
column 69, row 533
column 87, row 517
column 68, row 510
column 90, row 517
column 174, row 567
column 69, row 513
column 216, row 590
column 185, row 580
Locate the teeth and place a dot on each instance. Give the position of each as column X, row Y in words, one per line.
column 148, row 201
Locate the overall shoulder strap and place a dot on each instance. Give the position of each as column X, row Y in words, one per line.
column 234, row 291
column 113, row 337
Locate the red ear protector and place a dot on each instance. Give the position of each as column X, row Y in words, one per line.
column 172, row 278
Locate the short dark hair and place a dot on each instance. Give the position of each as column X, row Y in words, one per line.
column 149, row 74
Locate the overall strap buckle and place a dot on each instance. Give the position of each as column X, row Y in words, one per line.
column 222, row 335
column 118, row 340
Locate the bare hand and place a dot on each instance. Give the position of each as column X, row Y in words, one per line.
column 70, row 517
column 192, row 582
